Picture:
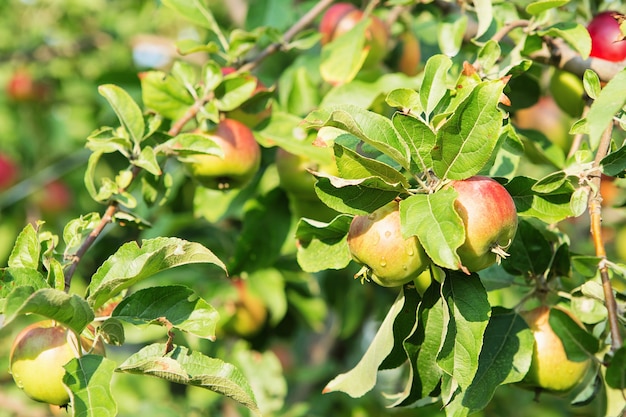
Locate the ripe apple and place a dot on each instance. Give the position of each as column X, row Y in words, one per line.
column 606, row 37
column 37, row 357
column 247, row 314
column 406, row 55
column 375, row 241
column 54, row 197
column 550, row 369
column 21, row 87
column 546, row 117
column 256, row 109
column 342, row 17
column 490, row 221
column 241, row 159
column 568, row 92
column 8, row 172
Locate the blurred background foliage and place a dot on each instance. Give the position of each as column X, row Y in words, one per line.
column 67, row 48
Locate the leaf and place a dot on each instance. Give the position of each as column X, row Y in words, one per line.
column 434, row 85
column 12, row 278
column 360, row 196
column 127, row 111
column 180, row 305
column 183, row 366
column 550, row 208
column 71, row 310
column 467, row 140
column 89, row 379
column 610, row 100
column 419, row 136
column 484, row 12
column 362, row 378
column 403, row 327
column 614, row 164
column 437, row 225
column 579, row 344
column 194, row 11
column 450, row 33
column 323, row 246
column 538, row 7
column 133, row 263
column 192, row 144
column 164, row 94
column 370, row 127
column 27, row 250
column 352, row 165
column 532, row 253
column 343, row 57
column 147, row 160
column 575, row 34
column 616, row 371
column 233, row 91
column 469, row 311
column 504, row 359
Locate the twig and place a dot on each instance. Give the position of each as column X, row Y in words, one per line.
column 301, row 24
column 595, row 214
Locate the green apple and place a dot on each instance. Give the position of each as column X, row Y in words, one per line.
column 568, row 92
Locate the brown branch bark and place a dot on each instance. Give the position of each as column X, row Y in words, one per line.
column 595, row 214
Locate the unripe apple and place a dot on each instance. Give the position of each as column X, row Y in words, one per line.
column 37, row 357
column 247, row 314
column 406, row 55
column 8, row 172
column 256, row 109
column 294, row 173
column 240, row 161
column 568, row 92
column 342, row 17
column 490, row 220
column 546, row 117
column 550, row 369
column 375, row 241
column 606, row 37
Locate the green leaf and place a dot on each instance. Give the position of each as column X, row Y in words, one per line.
column 362, row 378
column 344, row 56
column 323, row 246
column 610, row 100
column 352, row 165
column 614, row 164
column 12, row 278
column 360, row 196
column 537, row 7
column 76, row 230
column 437, row 225
column 112, row 331
column 467, row 140
column 195, row 11
column 575, row 34
column 147, row 160
column 484, row 13
column 71, row 310
column 403, row 327
column 127, row 111
column 579, row 344
column 450, row 33
column 420, row 138
column 183, row 366
column 550, row 208
column 504, row 359
column 616, row 371
column 192, row 144
column 579, row 201
column 532, row 253
column 591, row 83
column 469, row 311
column 434, row 85
column 27, row 249
column 133, row 263
column 181, row 306
column 233, row 91
column 165, row 95
column 89, row 379
column 405, row 99
column 256, row 250
column 370, row 127
column 109, row 140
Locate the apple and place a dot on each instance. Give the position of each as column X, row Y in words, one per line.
column 568, row 92
column 550, row 369
column 342, row 17
column 606, row 37
column 406, row 55
column 376, row 242
column 37, row 357
column 240, row 161
column 490, row 220
column 8, row 172
column 21, row 87
column 55, row 197
column 257, row 108
column 247, row 315
column 546, row 117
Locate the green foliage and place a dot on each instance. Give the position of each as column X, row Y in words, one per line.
column 153, row 264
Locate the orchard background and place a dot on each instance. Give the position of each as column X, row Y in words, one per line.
column 223, row 283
